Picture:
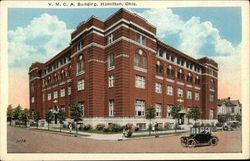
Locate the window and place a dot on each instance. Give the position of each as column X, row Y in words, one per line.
column 111, row 107
column 169, row 108
column 212, row 84
column 136, row 60
column 69, row 90
column 32, row 99
column 232, row 109
column 55, row 94
column 62, row 93
column 190, row 77
column 170, row 90
column 189, row 95
column 111, row 81
column 159, row 67
column 144, row 62
column 211, row 114
column 111, row 60
column 158, row 88
column 110, row 38
column 180, row 92
column 49, row 96
column 173, row 73
column 197, row 80
column 81, row 104
column 139, row 81
column 141, row 125
column 196, row 96
column 139, row 108
column 211, row 98
column 158, row 110
column 80, row 84
column 79, row 45
column 80, row 64
column 140, row 39
column 180, row 74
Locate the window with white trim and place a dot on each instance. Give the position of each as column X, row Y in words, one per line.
column 55, row 95
column 170, row 90
column 111, row 81
column 69, row 90
column 111, row 107
column 79, row 45
column 80, row 84
column 49, row 96
column 139, row 81
column 158, row 88
column 180, row 92
column 140, row 39
column 136, row 60
column 110, row 38
column 196, row 96
column 62, row 92
column 189, row 95
column 158, row 110
column 144, row 62
column 32, row 99
column 111, row 60
column 169, row 108
column 211, row 97
column 139, row 108
column 80, row 64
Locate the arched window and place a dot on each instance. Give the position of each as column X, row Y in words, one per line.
column 197, row 80
column 136, row 60
column 169, row 70
column 80, row 64
column 179, row 74
column 144, row 62
column 190, row 77
column 159, row 67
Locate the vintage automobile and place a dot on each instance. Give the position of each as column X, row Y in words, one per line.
column 231, row 125
column 199, row 136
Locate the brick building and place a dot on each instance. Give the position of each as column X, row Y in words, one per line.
column 117, row 68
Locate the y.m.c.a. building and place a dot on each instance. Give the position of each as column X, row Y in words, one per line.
column 117, row 68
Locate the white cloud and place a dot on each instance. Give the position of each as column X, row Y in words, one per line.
column 193, row 35
column 43, row 38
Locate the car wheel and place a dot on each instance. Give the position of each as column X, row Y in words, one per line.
column 214, row 141
column 191, row 143
column 183, row 143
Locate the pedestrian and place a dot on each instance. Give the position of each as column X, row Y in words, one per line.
column 70, row 127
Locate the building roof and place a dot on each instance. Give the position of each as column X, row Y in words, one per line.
column 228, row 102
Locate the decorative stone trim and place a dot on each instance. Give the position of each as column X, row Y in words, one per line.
column 180, row 83
column 159, row 77
column 140, row 69
column 170, row 80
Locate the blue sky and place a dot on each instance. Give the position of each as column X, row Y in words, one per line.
column 39, row 34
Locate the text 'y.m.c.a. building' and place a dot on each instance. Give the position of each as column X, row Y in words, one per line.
column 117, row 68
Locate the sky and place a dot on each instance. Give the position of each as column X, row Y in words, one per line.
column 39, row 34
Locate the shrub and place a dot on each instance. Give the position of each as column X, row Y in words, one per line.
column 167, row 125
column 65, row 126
column 87, row 127
column 107, row 128
column 137, row 128
column 116, row 128
column 33, row 124
column 100, row 126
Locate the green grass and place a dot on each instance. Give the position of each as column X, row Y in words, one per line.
column 147, row 135
column 91, row 131
column 62, row 132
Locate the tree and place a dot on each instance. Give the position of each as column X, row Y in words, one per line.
column 9, row 114
column 195, row 113
column 150, row 114
column 188, row 115
column 49, row 116
column 222, row 118
column 37, row 117
column 175, row 113
column 238, row 117
column 25, row 116
column 76, row 113
column 16, row 114
column 62, row 117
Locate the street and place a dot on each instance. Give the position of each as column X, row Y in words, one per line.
column 25, row 140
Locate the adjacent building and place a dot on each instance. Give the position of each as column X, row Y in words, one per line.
column 230, row 107
column 117, row 68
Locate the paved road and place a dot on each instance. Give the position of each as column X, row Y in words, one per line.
column 22, row 140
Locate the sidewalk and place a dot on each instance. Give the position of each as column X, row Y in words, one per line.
column 115, row 137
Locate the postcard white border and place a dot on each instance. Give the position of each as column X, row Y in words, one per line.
column 146, row 156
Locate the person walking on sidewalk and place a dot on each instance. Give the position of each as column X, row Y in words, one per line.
column 70, row 127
